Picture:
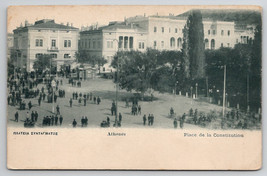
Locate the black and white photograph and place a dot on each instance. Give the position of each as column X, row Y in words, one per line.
column 197, row 69
column 179, row 69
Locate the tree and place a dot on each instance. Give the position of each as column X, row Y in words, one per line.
column 193, row 47
column 135, row 69
column 85, row 57
column 82, row 56
column 256, row 68
column 43, row 62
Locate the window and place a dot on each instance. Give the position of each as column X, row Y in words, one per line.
column 69, row 43
column 155, row 44
column 213, row 32
column 176, row 30
column 228, row 32
column 65, row 43
column 212, row 44
column 39, row 42
column 141, row 45
column 54, row 55
column 172, row 42
column 85, row 43
column 222, row 32
column 221, row 44
column 53, row 43
column 228, row 44
column 125, row 42
column 206, row 44
column 109, row 44
column 120, row 41
column 67, row 56
column 98, row 44
column 162, row 44
column 209, row 32
column 155, row 29
column 89, row 43
column 179, row 42
column 236, row 41
column 162, row 29
column 131, row 43
column 38, row 55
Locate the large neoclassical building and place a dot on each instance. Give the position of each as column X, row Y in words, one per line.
column 45, row 37
column 158, row 32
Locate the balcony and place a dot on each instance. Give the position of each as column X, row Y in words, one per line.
column 52, row 49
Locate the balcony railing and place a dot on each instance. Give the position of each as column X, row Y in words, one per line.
column 52, row 49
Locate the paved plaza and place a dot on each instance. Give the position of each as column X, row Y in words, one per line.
column 106, row 90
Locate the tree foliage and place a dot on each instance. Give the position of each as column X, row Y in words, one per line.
column 43, row 62
column 152, row 69
column 193, row 46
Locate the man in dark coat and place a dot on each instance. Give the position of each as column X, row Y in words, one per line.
column 144, row 119
column 56, row 120
column 17, row 116
column 60, row 120
column 74, row 123
column 70, row 102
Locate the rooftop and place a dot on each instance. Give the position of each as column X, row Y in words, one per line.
column 46, row 24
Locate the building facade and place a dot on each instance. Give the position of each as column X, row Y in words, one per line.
column 107, row 40
column 45, row 37
column 158, row 32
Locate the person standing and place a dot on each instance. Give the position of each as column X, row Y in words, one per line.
column 144, row 119
column 30, row 105
column 139, row 109
column 152, row 119
column 120, row 117
column 16, row 116
column 94, row 100
column 70, row 102
column 32, row 116
column 36, row 116
column 58, row 112
column 74, row 123
column 175, row 123
column 60, row 120
column 52, row 120
column 39, row 101
column 56, row 120
column 98, row 100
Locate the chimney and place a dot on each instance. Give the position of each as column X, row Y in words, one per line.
column 71, row 24
column 144, row 14
column 68, row 24
column 131, row 25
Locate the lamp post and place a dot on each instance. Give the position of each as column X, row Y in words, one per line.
column 196, row 90
column 53, row 83
column 117, row 82
column 191, row 88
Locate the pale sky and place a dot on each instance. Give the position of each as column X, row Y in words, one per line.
column 86, row 15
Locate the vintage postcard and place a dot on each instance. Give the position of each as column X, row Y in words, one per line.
column 134, row 87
